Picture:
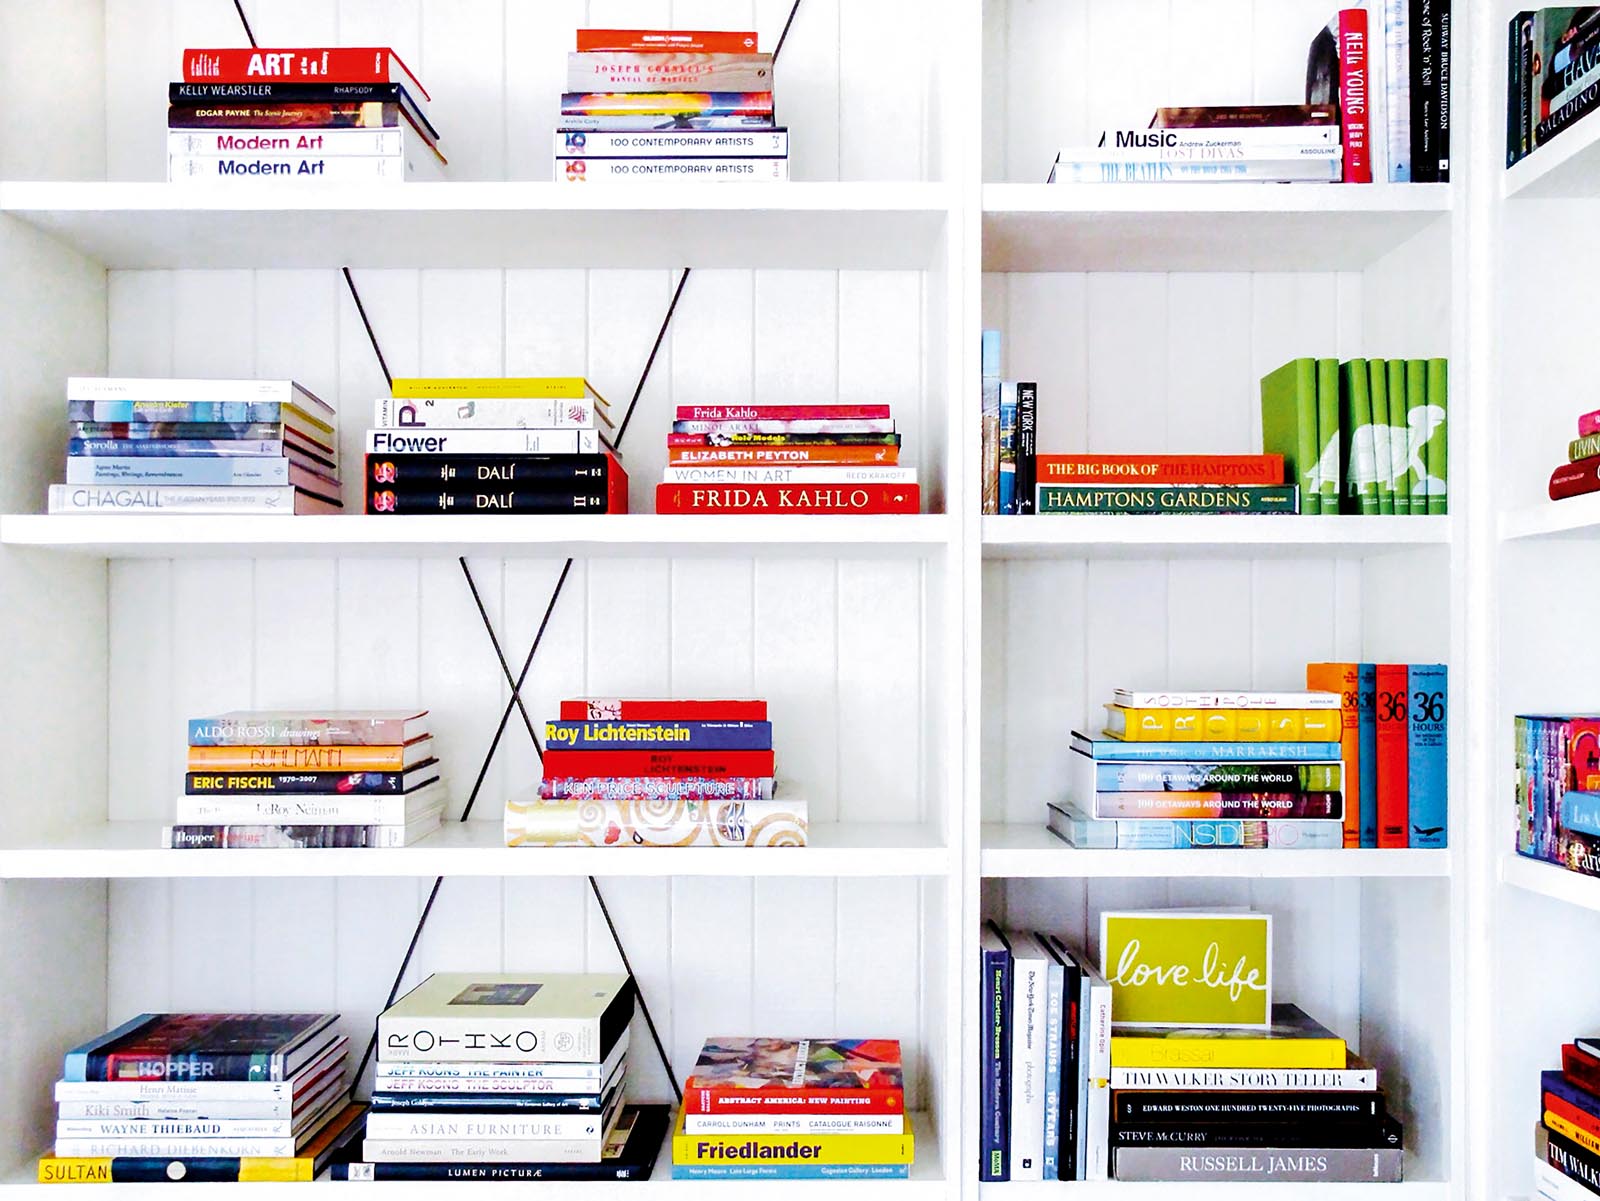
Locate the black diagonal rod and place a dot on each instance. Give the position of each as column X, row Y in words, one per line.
column 394, row 989
column 238, row 7
column 655, row 349
column 371, row 337
column 784, row 36
column 655, row 1035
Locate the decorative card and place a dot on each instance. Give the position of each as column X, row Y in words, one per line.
column 1188, row 968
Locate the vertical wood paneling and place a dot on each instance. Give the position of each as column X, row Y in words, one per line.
column 1127, row 378
column 878, row 125
column 795, row 955
column 143, row 740
column 1117, row 95
column 713, row 344
column 464, row 70
column 646, row 912
column 879, row 326
column 372, row 922
column 878, row 958
column 625, row 312
column 460, row 680
column 1043, row 678
column 713, row 935
column 1211, row 407
column 1208, row 624
column 139, row 949
column 211, row 967
column 880, row 704
column 537, row 39
column 797, row 337
column 140, row 324
column 794, row 651
column 807, row 88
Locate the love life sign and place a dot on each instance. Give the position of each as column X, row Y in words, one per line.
column 1187, row 968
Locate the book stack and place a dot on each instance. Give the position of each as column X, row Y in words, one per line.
column 310, row 779
column 1566, row 1138
column 344, row 114
column 1283, row 1104
column 822, row 458
column 1360, row 759
column 650, row 104
column 1010, row 422
column 507, row 1077
column 1553, row 57
column 1558, row 790
column 204, row 1097
column 794, row 1109
column 1261, row 143
column 493, row 446
column 1580, row 474
column 1367, row 436
column 197, row 446
column 657, row 773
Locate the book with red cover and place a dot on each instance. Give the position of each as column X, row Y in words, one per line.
column 1338, row 74
column 715, row 764
column 1581, row 1068
column 806, row 1075
column 616, row 484
column 597, row 708
column 788, row 498
column 721, row 413
column 1232, row 470
column 1394, row 751
column 710, row 41
column 830, row 454
column 335, row 64
column 1588, row 424
column 1575, row 479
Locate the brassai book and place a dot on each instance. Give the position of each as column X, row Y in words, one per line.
column 457, row 1016
column 203, row 1046
column 796, row 1076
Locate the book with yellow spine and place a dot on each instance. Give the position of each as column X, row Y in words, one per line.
column 1222, row 725
column 1293, row 1041
column 790, row 1149
column 1572, row 1131
column 571, row 387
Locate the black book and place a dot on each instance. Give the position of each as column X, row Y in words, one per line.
column 1185, row 1108
column 1424, row 19
column 1570, row 1159
column 554, row 499
column 506, row 1103
column 1027, row 445
column 1310, row 1133
column 189, row 95
column 312, row 783
column 473, row 473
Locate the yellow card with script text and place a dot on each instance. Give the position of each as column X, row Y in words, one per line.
column 1188, row 968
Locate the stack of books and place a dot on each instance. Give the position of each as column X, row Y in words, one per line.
column 204, row 1097
column 1360, row 759
column 1567, row 1136
column 197, row 446
column 1284, row 1104
column 650, row 104
column 1558, row 790
column 493, row 446
column 1010, row 423
column 794, row 1109
column 823, row 458
column 308, row 778
column 1580, row 474
column 1261, row 143
column 346, row 114
column 1367, row 436
column 657, row 773
column 507, row 1077
column 1553, row 55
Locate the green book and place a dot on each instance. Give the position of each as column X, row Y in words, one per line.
column 1330, row 453
column 1355, row 417
column 1399, row 440
column 1175, row 498
column 1378, row 373
column 1417, row 433
column 1436, row 450
column 1289, row 427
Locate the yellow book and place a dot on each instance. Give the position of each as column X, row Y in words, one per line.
column 772, row 1149
column 467, row 388
column 1223, row 725
column 1576, row 1133
column 1293, row 1041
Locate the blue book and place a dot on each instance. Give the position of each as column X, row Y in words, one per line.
column 209, row 411
column 659, row 735
column 1054, row 1015
column 1367, row 734
column 190, row 472
column 1008, row 447
column 1427, row 756
column 994, row 1108
column 1557, row 1084
column 1580, row 811
column 1111, row 750
column 791, row 1171
column 989, row 355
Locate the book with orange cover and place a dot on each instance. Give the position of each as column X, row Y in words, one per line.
column 1343, row 679
column 310, row 758
column 813, row 453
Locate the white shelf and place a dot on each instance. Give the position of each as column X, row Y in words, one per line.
column 1118, row 1190
column 132, row 850
column 130, row 225
column 649, row 535
column 1017, row 852
column 1201, row 226
column 1052, row 535
column 1548, row 880
column 1576, row 517
column 1568, row 167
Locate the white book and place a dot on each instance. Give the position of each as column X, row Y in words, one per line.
column 796, row 1123
column 1029, row 999
column 375, row 1150
column 836, row 474
column 419, row 163
column 1135, row 699
column 507, row 1017
column 1286, row 171
column 534, row 1076
column 472, row 1127
column 194, row 391
column 671, row 143
column 342, row 809
column 1551, row 1184
column 174, row 1148
column 432, row 412
column 655, row 170
column 250, row 143
column 1096, row 1053
column 1205, row 153
column 284, row 1115
column 224, row 499
column 483, row 442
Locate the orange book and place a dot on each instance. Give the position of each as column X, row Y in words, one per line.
column 309, row 758
column 702, row 41
column 1342, row 678
column 1394, row 751
column 783, row 456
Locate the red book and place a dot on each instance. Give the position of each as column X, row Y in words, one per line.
column 1571, row 1113
column 783, row 413
column 616, row 484
column 829, row 453
column 715, row 764
column 596, row 708
column 316, row 64
column 1581, row 1069
column 1354, row 94
column 788, row 498
column 1394, row 742
column 1237, row 470
column 1588, row 424
column 1575, row 479
column 705, row 41
column 780, row 1075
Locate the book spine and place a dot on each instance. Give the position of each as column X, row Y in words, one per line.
column 717, row 429
column 110, row 1129
column 1203, row 834
column 1393, row 743
column 577, row 1150
column 321, row 837
column 1575, row 479
column 177, row 1111
column 1222, row 752
column 728, row 1102
column 1366, row 784
column 1360, row 494
column 655, row 788
column 1588, row 425
column 1558, row 1123
column 1096, row 1144
column 789, row 475
column 1247, row 116
column 73, row 1088
column 1164, row 1081
column 689, row 143
column 210, row 412
column 293, row 758
column 1027, row 450
column 626, row 823
column 1397, row 29
column 866, row 1171
column 720, row 170
column 1314, row 697
column 561, row 762
column 174, row 1148
column 1330, row 439
column 252, row 115
column 1061, row 498
column 323, row 811
column 1585, row 447
column 1072, row 1050
column 297, row 731
column 619, row 709
column 1427, row 758
column 1573, row 1161
column 168, row 499
column 815, row 1150
column 1580, row 811
column 1244, row 137
column 801, row 1124
column 1151, row 1109
column 665, row 104
column 424, row 1127
column 448, row 1089
column 1236, row 806
column 1007, row 481
column 1436, row 456
column 1218, row 777
column 784, row 456
column 677, row 71
column 381, row 500
column 1282, row 1166
column 788, row 498
column 1525, row 83
column 393, row 168
column 600, row 1170
column 163, row 1169
column 1424, row 91
column 1311, row 170
column 1418, row 427
column 572, row 122
column 706, row 41
column 431, row 1039
column 659, row 736
column 259, row 92
column 263, row 143
column 1028, row 988
column 131, row 434
column 1054, row 1015
column 171, row 447
column 484, row 442
column 1382, row 456
column 1255, row 725
column 717, row 414
column 1264, row 470
column 484, row 413
column 1134, row 1050
column 1442, row 109
column 1355, row 95
column 995, row 1108
column 1366, row 1135
column 1344, row 679
column 1580, row 105
column 344, row 64
column 1399, row 437
column 473, row 473
column 784, row 440
column 497, row 1103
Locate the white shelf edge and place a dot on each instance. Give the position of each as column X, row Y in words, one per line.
column 1000, row 199
column 1575, row 517
column 1549, row 880
column 1538, row 175
column 1043, row 534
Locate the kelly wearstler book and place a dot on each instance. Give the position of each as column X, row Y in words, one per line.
column 203, row 1046
column 372, row 727
column 468, row 1017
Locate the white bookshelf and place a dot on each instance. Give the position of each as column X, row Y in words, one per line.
column 924, row 671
